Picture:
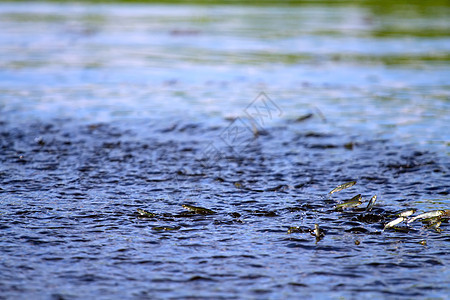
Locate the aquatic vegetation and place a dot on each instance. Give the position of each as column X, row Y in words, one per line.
column 342, row 187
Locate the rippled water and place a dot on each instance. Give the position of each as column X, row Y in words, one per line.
column 105, row 109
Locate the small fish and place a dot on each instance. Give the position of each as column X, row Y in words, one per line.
column 406, row 213
column 145, row 213
column 356, row 198
column 394, row 222
column 435, row 223
column 199, row 210
column 294, row 229
column 371, row 203
column 354, row 202
column 166, row 228
column 317, row 232
column 436, row 226
column 342, row 187
column 428, row 215
column 446, row 214
column 348, row 204
column 304, row 117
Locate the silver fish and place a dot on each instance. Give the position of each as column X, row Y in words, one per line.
column 342, row 187
column 348, row 204
column 371, row 203
column 406, row 213
column 435, row 223
column 354, row 202
column 427, row 215
column 394, row 222
column 317, row 232
column 198, row 210
column 145, row 213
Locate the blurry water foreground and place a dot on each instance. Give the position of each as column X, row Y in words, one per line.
column 255, row 112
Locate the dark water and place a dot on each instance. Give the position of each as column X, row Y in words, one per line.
column 105, row 109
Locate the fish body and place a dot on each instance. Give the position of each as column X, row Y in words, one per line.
column 317, row 232
column 394, row 222
column 436, row 222
column 428, row 215
column 198, row 210
column 166, row 228
column 371, row 203
column 295, row 229
column 145, row 213
column 356, row 198
column 406, row 213
column 354, row 202
column 342, row 187
column 348, row 204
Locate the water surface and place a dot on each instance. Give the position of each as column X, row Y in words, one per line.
column 107, row 108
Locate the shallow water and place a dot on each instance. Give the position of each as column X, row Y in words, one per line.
column 255, row 112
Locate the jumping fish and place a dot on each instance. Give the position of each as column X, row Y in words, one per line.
column 354, row 202
column 342, row 187
column 435, row 223
column 371, row 203
column 199, row 210
column 406, row 213
column 317, row 232
column 394, row 222
column 145, row 213
column 428, row 215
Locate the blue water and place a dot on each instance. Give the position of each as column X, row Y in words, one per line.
column 107, row 108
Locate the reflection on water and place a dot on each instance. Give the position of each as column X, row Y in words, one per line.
column 107, row 108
